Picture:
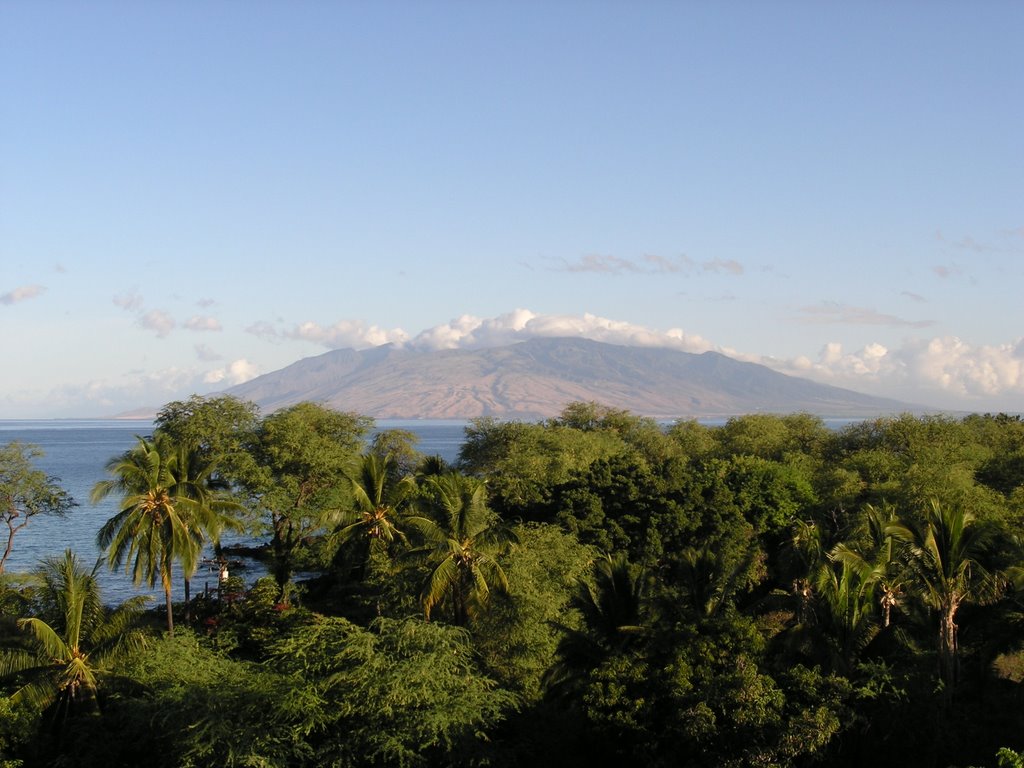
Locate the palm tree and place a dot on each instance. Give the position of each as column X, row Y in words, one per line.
column 208, row 505
column 155, row 525
column 379, row 498
column 612, row 608
column 65, row 654
column 463, row 541
column 948, row 553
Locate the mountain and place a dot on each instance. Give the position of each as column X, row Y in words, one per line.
column 537, row 378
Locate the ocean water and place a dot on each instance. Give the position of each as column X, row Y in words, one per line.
column 76, row 450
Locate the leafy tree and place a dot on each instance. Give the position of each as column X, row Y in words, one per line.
column 297, row 481
column 519, row 633
column 463, row 541
column 26, row 492
column 399, row 693
column 66, row 653
column 217, row 427
column 157, row 521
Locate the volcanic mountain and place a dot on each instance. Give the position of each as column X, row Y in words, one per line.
column 537, row 378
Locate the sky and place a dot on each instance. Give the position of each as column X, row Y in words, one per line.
column 196, row 193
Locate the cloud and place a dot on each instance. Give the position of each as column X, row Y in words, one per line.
column 914, row 296
column 945, row 272
column 197, row 323
column 204, row 303
column 130, row 302
column 263, row 330
column 468, row 332
column 157, row 321
column 831, row 312
column 236, row 372
column 731, row 266
column 649, row 264
column 206, row 354
column 346, row 333
column 23, row 293
column 945, row 367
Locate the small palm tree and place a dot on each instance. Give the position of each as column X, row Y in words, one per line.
column 156, row 523
column 462, row 542
column 65, row 653
column 612, row 608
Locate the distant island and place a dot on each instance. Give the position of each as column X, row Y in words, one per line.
column 535, row 379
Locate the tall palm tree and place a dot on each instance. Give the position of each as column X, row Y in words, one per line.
column 155, row 525
column 462, row 542
column 208, row 504
column 949, row 551
column 65, row 653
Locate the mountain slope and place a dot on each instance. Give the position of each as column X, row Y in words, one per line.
column 537, row 378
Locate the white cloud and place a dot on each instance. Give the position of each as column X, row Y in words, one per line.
column 23, row 293
column 235, row 372
column 157, row 321
column 347, row 333
column 945, row 367
column 522, row 324
column 199, row 323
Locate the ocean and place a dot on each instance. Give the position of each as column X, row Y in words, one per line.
column 76, row 451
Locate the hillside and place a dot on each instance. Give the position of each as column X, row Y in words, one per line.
column 536, row 378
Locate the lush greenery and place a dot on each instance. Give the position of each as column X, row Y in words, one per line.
column 594, row 588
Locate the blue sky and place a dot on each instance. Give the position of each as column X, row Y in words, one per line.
column 192, row 194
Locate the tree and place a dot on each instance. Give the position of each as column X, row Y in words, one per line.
column 297, row 478
column 463, row 541
column 26, row 492
column 66, row 652
column 154, row 526
column 949, row 551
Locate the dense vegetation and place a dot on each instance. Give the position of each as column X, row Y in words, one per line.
column 593, row 589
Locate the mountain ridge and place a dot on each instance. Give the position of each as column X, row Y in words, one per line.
column 537, row 378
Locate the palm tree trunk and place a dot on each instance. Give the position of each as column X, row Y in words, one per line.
column 188, row 594
column 170, row 610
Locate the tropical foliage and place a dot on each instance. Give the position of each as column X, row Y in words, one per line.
column 590, row 589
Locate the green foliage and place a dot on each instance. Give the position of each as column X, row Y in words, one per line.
column 297, row 480
column 63, row 654
column 26, row 492
column 463, row 545
column 400, row 693
column 518, row 636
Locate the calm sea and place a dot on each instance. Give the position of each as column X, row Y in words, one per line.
column 76, row 450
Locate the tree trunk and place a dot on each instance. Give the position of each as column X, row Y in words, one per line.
column 949, row 662
column 170, row 610
column 188, row 594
